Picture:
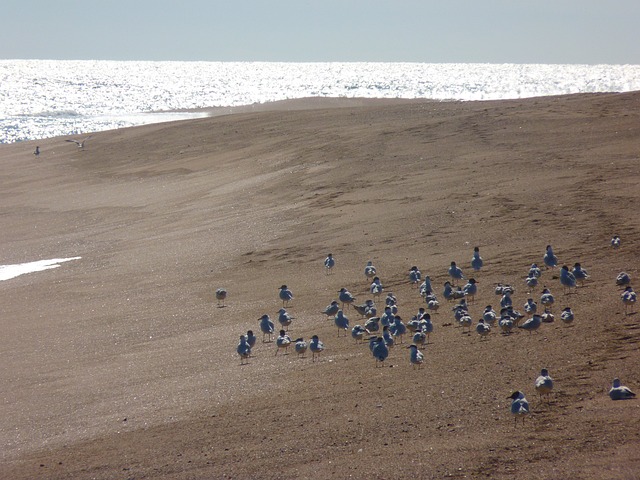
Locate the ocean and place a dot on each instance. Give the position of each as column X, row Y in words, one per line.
column 49, row 98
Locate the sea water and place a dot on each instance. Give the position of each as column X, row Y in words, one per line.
column 48, row 98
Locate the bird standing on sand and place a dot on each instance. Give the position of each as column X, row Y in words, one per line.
column 619, row 391
column 285, row 295
column 471, row 289
column 244, row 350
column 369, row 270
column 221, row 296
column 455, row 272
column 519, row 405
column 79, row 143
column 266, row 326
column 36, row 152
column 376, row 287
column 415, row 276
column 316, row 347
column 546, row 298
column 341, row 321
column 357, row 333
column 345, row 297
column 530, row 306
column 567, row 279
column 329, row 263
column 532, row 324
column 476, row 260
column 623, row 279
column 483, row 329
column 284, row 318
column 567, row 315
column 332, row 309
column 380, row 351
column 489, row 315
column 300, row 346
column 629, row 299
column 251, row 338
column 544, row 384
column 615, row 241
column 534, row 271
column 579, row 273
column 282, row 342
column 550, row 260
column 416, row 357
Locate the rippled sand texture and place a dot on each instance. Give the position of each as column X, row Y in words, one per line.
column 121, row 365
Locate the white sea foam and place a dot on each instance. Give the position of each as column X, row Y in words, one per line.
column 11, row 271
column 46, row 98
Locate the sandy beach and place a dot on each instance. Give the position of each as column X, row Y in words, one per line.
column 121, row 364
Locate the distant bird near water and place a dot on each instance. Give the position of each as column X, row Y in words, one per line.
column 519, row 405
column 285, row 295
column 476, row 260
column 79, row 143
column 550, row 260
column 221, row 296
column 329, row 263
column 619, row 391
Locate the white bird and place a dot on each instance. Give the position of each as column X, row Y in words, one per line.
column 532, row 324
column 615, row 241
column 251, row 338
column 519, row 405
column 455, row 272
column 244, row 350
column 341, row 321
column 345, row 297
column 300, row 346
column 619, row 391
column 567, row 279
column 546, row 298
column 369, row 270
column 266, row 326
column 415, row 276
column 476, row 261
column 530, row 306
column 489, row 315
column 284, row 318
column 79, row 143
column 285, row 295
column 282, row 342
column 471, row 289
column 331, row 309
column 376, row 287
column 221, row 295
column 416, row 357
column 579, row 273
column 329, row 263
column 544, row 383
column 316, row 347
column 550, row 260
column 483, row 329
column 629, row 299
column 357, row 333
column 567, row 315
column 36, row 152
column 380, row 351
column 506, row 324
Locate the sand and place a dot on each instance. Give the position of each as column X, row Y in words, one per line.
column 121, row 364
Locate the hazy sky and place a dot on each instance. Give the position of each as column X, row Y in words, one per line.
column 494, row 31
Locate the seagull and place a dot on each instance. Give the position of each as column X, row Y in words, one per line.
column 391, row 300
column 285, row 295
column 419, row 338
column 244, row 350
column 341, row 322
column 530, row 306
column 489, row 315
column 221, row 295
column 426, row 325
column 580, row 274
column 483, row 329
column 466, row 322
column 364, row 308
column 532, row 324
column 470, row 289
column 544, row 383
column 567, row 279
column 331, row 309
column 615, row 241
column 376, row 287
column 387, row 337
column 79, row 143
column 547, row 316
column 532, row 282
column 506, row 324
column 283, row 341
column 455, row 272
column 426, row 286
column 415, row 276
column 448, row 291
column 619, row 391
column 387, row 317
column 546, row 298
column 416, row 357
column 251, row 338
column 345, row 296
column 316, row 347
column 380, row 351
column 476, row 261
column 519, row 405
column 329, row 263
column 369, row 270
column 550, row 260
column 398, row 328
column 372, row 324
column 567, row 315
column 506, row 301
column 623, row 279
column 629, row 299
column 266, row 326
column 284, row 318
column 534, row 271
column 300, row 346
column 357, row 332
column 36, row 152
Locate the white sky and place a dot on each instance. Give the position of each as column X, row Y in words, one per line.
column 492, row 31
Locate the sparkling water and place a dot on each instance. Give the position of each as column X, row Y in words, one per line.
column 48, row 98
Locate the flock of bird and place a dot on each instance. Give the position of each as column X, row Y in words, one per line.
column 383, row 330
